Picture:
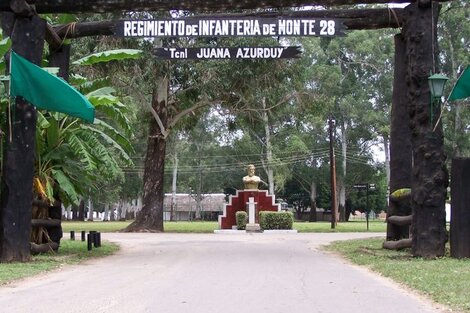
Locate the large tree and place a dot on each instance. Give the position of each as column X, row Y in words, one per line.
column 18, row 159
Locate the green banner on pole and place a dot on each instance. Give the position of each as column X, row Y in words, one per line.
column 46, row 91
column 461, row 89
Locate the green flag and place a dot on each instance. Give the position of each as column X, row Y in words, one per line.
column 47, row 91
column 461, row 89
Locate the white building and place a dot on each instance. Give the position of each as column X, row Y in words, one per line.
column 185, row 206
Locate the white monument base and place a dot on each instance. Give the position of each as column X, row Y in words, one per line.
column 253, row 227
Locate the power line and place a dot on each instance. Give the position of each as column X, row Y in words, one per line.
column 240, row 165
column 243, row 155
column 225, row 166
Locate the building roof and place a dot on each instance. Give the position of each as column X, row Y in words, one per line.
column 185, row 202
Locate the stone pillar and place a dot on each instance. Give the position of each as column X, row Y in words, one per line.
column 429, row 175
column 400, row 141
column 460, row 213
column 252, row 225
column 27, row 35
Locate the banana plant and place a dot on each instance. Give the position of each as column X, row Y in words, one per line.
column 74, row 156
column 71, row 155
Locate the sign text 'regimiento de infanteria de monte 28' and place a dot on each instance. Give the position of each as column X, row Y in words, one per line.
column 227, row 27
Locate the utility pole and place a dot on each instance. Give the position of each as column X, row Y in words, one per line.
column 173, row 186
column 334, row 213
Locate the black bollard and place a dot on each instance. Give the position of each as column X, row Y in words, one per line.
column 83, row 235
column 98, row 239
column 72, row 235
column 90, row 241
column 94, row 238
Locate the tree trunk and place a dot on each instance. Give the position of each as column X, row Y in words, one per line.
column 90, row 210
column 313, row 203
column 74, row 213
column 198, row 199
column 120, row 210
column 106, row 212
column 112, row 216
column 81, row 210
column 68, row 212
column 269, row 149
column 123, row 212
column 430, row 175
column 27, row 36
column 199, row 196
column 150, row 218
column 387, row 158
column 139, row 203
column 400, row 142
column 458, row 130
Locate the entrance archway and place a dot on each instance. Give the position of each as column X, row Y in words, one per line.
column 429, row 180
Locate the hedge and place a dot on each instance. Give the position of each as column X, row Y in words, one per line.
column 242, row 220
column 276, row 220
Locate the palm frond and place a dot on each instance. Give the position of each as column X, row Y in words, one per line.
column 82, row 149
column 116, row 135
column 66, row 186
column 110, row 141
column 116, row 113
column 103, row 153
column 86, row 86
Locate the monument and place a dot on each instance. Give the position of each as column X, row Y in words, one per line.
column 250, row 200
column 251, row 181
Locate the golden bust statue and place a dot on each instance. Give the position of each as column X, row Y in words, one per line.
column 251, row 181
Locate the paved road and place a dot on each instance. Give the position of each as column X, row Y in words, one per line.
column 208, row 273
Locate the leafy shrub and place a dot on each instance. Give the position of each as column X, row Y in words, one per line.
column 276, row 220
column 242, row 220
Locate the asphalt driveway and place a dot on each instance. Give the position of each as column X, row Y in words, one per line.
column 214, row 273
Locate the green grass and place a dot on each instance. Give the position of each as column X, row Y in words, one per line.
column 170, row 227
column 70, row 252
column 103, row 227
column 209, row 227
column 445, row 280
column 351, row 226
column 191, row 227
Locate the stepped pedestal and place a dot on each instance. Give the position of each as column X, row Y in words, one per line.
column 239, row 202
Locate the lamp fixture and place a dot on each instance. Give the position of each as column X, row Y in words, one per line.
column 436, row 85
